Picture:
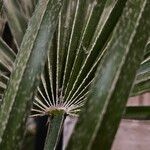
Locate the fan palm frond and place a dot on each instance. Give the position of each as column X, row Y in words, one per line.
column 81, row 42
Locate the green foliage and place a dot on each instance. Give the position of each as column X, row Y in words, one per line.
column 28, row 67
column 137, row 112
column 7, row 57
column 54, row 131
column 142, row 82
column 92, row 36
column 99, row 120
column 16, row 19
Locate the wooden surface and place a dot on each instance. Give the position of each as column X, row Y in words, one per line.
column 132, row 134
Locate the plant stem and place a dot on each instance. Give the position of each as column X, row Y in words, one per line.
column 54, row 131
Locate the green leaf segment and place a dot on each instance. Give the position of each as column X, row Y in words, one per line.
column 28, row 67
column 99, row 120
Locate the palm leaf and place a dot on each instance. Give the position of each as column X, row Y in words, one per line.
column 7, row 58
column 2, row 20
column 137, row 112
column 16, row 19
column 78, row 47
column 28, row 66
column 18, row 13
column 28, row 7
column 52, row 93
column 142, row 82
column 74, row 98
column 99, row 120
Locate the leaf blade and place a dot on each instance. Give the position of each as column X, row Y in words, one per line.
column 16, row 19
column 29, row 64
column 54, row 131
column 137, row 112
column 142, row 81
column 100, row 117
